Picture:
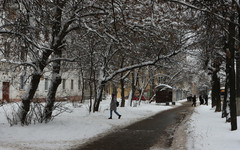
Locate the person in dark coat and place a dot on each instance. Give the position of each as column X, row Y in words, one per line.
column 113, row 107
column 201, row 100
column 194, row 101
column 206, row 100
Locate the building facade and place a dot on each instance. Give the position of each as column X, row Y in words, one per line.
column 13, row 86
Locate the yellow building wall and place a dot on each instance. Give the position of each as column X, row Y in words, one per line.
column 128, row 86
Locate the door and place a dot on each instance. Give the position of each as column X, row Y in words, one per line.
column 5, row 91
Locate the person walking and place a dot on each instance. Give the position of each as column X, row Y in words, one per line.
column 206, row 100
column 113, row 107
column 194, row 101
column 201, row 100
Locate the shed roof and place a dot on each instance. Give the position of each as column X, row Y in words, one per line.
column 163, row 86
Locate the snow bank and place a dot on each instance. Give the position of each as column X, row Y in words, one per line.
column 208, row 131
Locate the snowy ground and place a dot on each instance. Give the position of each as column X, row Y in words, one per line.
column 70, row 128
column 206, row 129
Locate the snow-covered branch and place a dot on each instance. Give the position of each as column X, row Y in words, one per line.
column 21, row 64
column 203, row 10
column 92, row 30
column 174, row 76
column 123, row 77
column 148, row 63
column 26, row 39
column 63, row 59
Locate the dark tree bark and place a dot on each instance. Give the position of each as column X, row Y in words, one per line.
column 213, row 93
column 238, row 82
column 218, row 96
column 224, row 111
column 91, row 81
column 56, row 77
column 238, row 68
column 55, row 82
column 122, row 91
column 134, row 81
column 216, row 99
column 122, row 83
column 28, row 96
column 133, row 87
column 33, row 85
column 216, row 91
column 98, row 96
column 83, row 86
column 152, row 84
column 233, row 112
column 226, row 94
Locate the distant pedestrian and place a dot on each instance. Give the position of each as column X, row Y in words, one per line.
column 194, row 101
column 113, row 107
column 206, row 100
column 201, row 100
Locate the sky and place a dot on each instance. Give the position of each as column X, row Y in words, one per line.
column 206, row 128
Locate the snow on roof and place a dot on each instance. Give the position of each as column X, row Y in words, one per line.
column 165, row 86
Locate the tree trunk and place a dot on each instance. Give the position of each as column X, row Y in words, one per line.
column 143, row 86
column 51, row 96
column 133, row 87
column 98, row 97
column 115, row 89
column 28, row 96
column 233, row 112
column 238, row 82
column 218, row 96
column 212, row 94
column 122, row 92
column 228, row 117
column 152, row 84
column 134, row 84
column 238, row 69
column 33, row 85
column 216, row 101
column 226, row 93
column 141, row 95
column 122, row 85
column 83, row 86
column 91, row 81
column 99, row 90
column 91, row 95
column 216, row 92
column 55, row 82
column 57, row 41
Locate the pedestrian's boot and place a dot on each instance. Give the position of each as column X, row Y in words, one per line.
column 119, row 116
column 110, row 118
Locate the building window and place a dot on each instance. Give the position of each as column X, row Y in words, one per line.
column 46, row 84
column 63, row 83
column 71, row 84
column 22, row 82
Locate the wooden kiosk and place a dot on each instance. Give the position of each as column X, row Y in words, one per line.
column 164, row 94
